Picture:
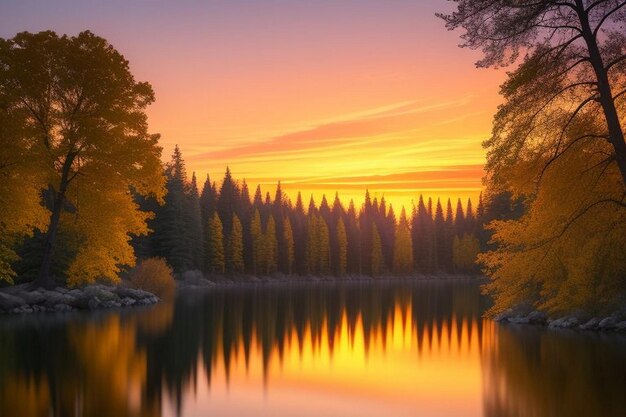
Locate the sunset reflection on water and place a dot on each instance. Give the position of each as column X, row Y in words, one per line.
column 360, row 349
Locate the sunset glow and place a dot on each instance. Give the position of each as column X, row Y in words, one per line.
column 325, row 97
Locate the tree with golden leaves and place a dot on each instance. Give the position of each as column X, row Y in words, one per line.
column 82, row 115
column 558, row 142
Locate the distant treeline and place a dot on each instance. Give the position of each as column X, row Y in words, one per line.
column 228, row 231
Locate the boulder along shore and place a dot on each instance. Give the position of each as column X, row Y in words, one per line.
column 23, row 300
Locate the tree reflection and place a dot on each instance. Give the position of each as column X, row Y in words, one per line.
column 139, row 363
column 530, row 372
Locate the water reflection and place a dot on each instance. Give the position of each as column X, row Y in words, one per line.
column 326, row 349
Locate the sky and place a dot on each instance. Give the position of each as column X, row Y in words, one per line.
column 324, row 95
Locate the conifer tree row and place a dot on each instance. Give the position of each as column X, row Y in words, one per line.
column 223, row 230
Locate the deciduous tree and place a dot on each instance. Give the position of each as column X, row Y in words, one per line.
column 83, row 115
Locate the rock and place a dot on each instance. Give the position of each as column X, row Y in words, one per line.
column 62, row 308
column 148, row 301
column 566, row 322
column 591, row 324
column 39, row 309
column 519, row 320
column 621, row 326
column 56, row 298
column 94, row 303
column 61, row 290
column 75, row 293
column 125, row 292
column 111, row 304
column 24, row 309
column 10, row 302
column 127, row 301
column 33, row 297
column 537, row 317
column 101, row 292
column 607, row 323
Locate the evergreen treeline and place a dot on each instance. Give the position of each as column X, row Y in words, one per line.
column 227, row 231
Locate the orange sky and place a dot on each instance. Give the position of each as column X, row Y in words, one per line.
column 325, row 96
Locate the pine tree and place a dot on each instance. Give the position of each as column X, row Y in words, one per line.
column 377, row 252
column 228, row 202
column 256, row 235
column 279, row 213
column 215, row 246
column 208, row 206
column 342, row 248
column 300, row 228
column 459, row 219
column 448, row 237
column 323, row 246
column 289, row 246
column 470, row 218
column 170, row 240
column 354, row 240
column 245, row 216
column 403, row 248
column 366, row 219
column 441, row 248
column 312, row 249
column 423, row 236
column 388, row 236
column 193, row 225
column 234, row 248
column 269, row 238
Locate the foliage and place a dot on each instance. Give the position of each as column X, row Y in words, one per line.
column 154, row 275
column 558, row 145
column 270, row 247
column 403, row 248
column 377, row 252
column 257, row 242
column 342, row 248
column 215, row 246
column 234, row 248
column 288, row 245
column 567, row 252
column 465, row 250
column 79, row 114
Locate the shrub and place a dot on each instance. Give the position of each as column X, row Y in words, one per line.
column 154, row 275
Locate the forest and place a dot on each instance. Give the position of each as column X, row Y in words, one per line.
column 227, row 230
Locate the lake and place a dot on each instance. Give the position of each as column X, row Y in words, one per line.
column 320, row 349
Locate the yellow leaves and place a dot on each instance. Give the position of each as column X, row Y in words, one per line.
column 465, row 250
column 156, row 276
column 567, row 252
column 104, row 221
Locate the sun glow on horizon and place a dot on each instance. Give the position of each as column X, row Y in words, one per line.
column 323, row 96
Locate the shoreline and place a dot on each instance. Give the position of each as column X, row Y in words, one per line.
column 193, row 282
column 578, row 322
column 20, row 299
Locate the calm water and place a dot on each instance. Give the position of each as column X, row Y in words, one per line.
column 384, row 349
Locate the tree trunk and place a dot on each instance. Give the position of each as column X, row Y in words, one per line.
column 44, row 279
column 616, row 134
